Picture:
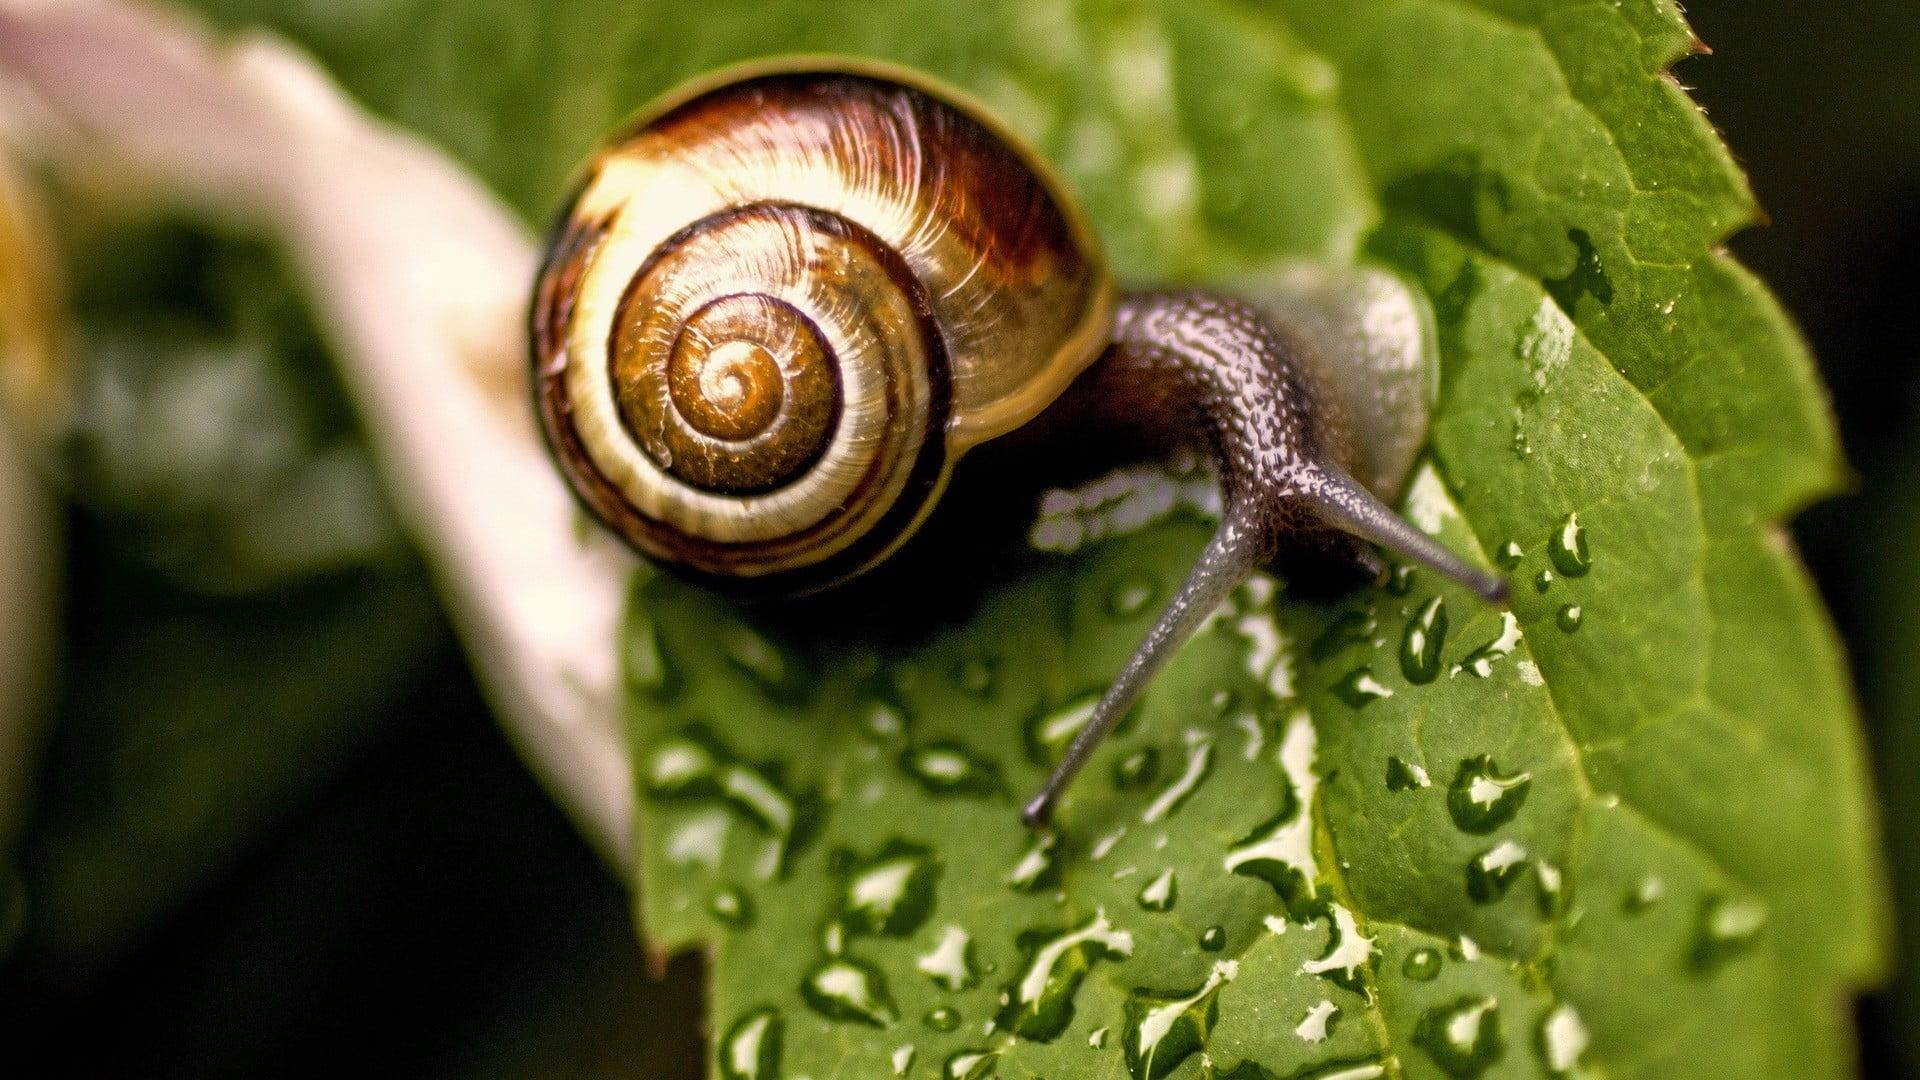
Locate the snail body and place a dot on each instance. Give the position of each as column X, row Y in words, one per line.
column 782, row 306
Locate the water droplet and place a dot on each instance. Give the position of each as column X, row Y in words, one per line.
column 843, row 988
column 1422, row 964
column 1358, row 688
column 1164, row 1030
column 1036, row 868
column 1481, row 660
column 1129, row 598
column 1359, row 1069
column 1280, row 851
column 1568, row 548
column 1463, row 1037
column 1137, row 770
column 1039, row 1004
column 694, row 765
column 1422, row 641
column 1553, row 889
column 942, row 1019
column 1351, row 628
column 1726, row 928
column 1400, row 583
column 890, row 893
column 1049, row 733
column 1161, row 893
column 1492, row 872
column 903, row 1059
column 950, row 962
column 1543, row 581
column 886, row 723
column 976, row 676
column 763, row 662
column 970, row 1065
column 948, row 768
column 1318, row 1023
column 1213, row 938
column 1563, row 1040
column 1199, row 764
column 1508, row 555
column 732, row 907
column 1403, row 775
column 1643, row 895
column 1097, row 1038
column 1522, row 448
column 1569, row 617
column 1348, row 950
column 647, row 669
column 751, row 1048
column 1482, row 798
column 1465, row 948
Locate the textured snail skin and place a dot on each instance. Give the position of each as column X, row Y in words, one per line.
column 783, row 305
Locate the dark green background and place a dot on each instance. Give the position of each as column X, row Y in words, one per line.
column 415, row 906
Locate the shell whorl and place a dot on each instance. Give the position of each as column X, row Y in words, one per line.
column 779, row 309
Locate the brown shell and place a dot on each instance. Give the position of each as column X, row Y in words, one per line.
column 843, row 181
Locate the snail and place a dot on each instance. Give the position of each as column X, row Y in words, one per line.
column 784, row 303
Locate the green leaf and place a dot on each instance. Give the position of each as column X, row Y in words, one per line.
column 1688, row 885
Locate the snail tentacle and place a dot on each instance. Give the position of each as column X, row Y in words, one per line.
column 1213, row 366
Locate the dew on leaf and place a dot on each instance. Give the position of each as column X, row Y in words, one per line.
column 1049, row 733
column 1129, row 598
column 1403, row 775
column 1358, row 688
column 976, row 676
column 732, row 907
column 1318, row 1023
column 950, row 962
column 1350, row 628
column 694, row 765
column 1508, row 555
column 648, row 670
column 970, row 1065
column 1568, row 548
column 1164, row 1030
column 1465, row 948
column 843, row 988
column 750, row 1050
column 1161, row 893
column 1348, row 950
column 1039, row 1004
column 1493, row 872
column 942, row 1019
column 1481, row 660
column 761, row 661
column 1097, row 1038
column 1563, row 1040
column 1421, row 642
column 1422, row 964
column 1400, row 582
column 1104, row 846
column 903, row 1059
column 1137, row 770
column 1482, row 798
column 1644, row 894
column 948, row 768
column 1553, row 889
column 1280, row 851
column 885, row 723
column 1213, row 938
column 892, row 892
column 1568, row 618
column 1370, row 1069
column 1725, row 928
column 1462, row 1037
column 1543, row 581
column 1036, row 868
column 1199, row 764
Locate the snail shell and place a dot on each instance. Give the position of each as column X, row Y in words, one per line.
column 785, row 301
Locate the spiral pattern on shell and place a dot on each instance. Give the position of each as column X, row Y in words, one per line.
column 777, row 311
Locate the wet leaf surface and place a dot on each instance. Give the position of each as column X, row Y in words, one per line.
column 1687, row 886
